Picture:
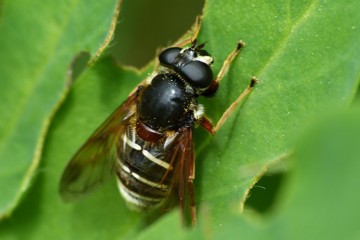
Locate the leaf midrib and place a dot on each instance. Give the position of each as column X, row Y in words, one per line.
column 283, row 44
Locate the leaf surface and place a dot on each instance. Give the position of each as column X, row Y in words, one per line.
column 306, row 57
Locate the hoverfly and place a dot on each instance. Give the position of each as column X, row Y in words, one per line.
column 147, row 141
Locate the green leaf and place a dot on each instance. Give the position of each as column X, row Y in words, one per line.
column 38, row 42
column 305, row 55
column 320, row 199
column 94, row 95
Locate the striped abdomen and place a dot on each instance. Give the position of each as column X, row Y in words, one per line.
column 144, row 170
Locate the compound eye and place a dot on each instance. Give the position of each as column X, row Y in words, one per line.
column 168, row 56
column 198, row 74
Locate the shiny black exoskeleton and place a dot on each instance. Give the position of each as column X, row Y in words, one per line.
column 170, row 101
column 147, row 141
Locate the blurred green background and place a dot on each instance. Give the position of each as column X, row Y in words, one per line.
column 145, row 27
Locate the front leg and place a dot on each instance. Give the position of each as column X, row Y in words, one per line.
column 206, row 123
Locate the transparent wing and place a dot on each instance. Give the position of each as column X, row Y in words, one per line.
column 184, row 173
column 96, row 159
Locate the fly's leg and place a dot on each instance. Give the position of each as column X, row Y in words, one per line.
column 186, row 168
column 192, row 198
column 191, row 190
column 204, row 121
column 224, row 69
